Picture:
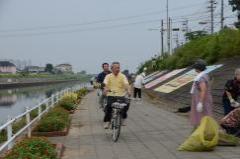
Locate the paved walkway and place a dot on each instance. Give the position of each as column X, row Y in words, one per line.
column 151, row 133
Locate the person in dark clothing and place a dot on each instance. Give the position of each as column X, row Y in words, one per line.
column 100, row 78
column 231, row 96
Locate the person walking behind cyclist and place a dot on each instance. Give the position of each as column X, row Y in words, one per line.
column 100, row 78
column 116, row 87
column 138, row 85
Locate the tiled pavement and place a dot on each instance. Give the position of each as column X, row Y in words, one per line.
column 151, row 133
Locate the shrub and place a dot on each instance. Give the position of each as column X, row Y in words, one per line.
column 212, row 48
column 57, row 119
column 34, row 113
column 69, row 101
column 82, row 92
column 33, row 148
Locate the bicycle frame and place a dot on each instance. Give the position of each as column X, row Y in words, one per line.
column 116, row 121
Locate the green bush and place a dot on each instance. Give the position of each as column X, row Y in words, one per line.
column 212, row 48
column 33, row 148
column 67, row 104
column 69, row 101
column 57, row 119
column 82, row 92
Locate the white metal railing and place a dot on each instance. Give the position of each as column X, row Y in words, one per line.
column 49, row 102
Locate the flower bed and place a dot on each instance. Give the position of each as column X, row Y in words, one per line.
column 55, row 123
column 82, row 92
column 69, row 101
column 39, row 148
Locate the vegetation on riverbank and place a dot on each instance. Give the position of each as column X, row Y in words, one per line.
column 17, row 125
column 212, row 48
column 39, row 148
column 82, row 77
column 57, row 119
column 69, row 101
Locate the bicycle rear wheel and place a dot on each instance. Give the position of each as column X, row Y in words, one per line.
column 116, row 128
column 104, row 103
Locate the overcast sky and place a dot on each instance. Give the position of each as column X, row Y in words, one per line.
column 52, row 31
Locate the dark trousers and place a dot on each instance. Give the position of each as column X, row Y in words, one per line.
column 108, row 108
column 227, row 106
column 232, row 130
column 137, row 92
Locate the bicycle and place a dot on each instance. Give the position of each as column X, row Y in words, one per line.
column 116, row 121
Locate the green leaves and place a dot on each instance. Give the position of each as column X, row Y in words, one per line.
column 225, row 44
column 56, row 120
column 33, row 148
column 236, row 7
column 235, row 4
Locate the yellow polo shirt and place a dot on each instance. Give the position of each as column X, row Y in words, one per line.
column 117, row 84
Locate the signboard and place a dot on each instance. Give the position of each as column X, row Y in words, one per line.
column 183, row 80
column 154, row 76
column 163, row 78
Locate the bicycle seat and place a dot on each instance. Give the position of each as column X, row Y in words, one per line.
column 119, row 105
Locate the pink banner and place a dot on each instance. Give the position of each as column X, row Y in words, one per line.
column 163, row 78
column 154, row 76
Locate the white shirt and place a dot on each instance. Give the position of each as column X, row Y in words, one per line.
column 196, row 79
column 139, row 81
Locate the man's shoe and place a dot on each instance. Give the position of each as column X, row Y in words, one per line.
column 106, row 126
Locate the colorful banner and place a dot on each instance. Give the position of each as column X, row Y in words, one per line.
column 163, row 78
column 183, row 80
column 155, row 76
column 150, row 75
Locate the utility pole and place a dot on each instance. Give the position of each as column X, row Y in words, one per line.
column 212, row 2
column 168, row 29
column 176, row 39
column 162, row 40
column 185, row 28
column 170, row 35
column 222, row 14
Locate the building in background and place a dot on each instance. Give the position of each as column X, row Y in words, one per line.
column 34, row 69
column 7, row 67
column 64, row 68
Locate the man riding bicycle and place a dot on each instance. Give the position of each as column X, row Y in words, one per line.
column 101, row 77
column 116, row 87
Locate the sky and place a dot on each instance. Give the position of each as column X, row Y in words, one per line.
column 86, row 33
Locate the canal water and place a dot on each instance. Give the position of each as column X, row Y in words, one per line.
column 14, row 101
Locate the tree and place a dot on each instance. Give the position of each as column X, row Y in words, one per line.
column 236, row 7
column 195, row 34
column 83, row 72
column 49, row 68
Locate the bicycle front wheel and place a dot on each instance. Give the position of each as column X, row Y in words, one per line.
column 116, row 128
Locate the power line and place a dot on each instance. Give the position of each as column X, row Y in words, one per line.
column 96, row 21
column 79, row 30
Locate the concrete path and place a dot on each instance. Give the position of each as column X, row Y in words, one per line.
column 151, row 133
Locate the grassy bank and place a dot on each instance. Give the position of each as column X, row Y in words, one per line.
column 212, row 48
column 47, row 76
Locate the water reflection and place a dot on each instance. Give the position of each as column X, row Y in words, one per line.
column 15, row 101
column 8, row 99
